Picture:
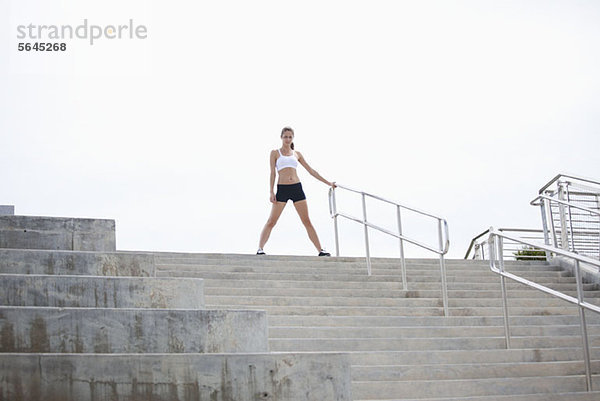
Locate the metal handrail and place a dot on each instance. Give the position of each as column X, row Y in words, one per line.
column 559, row 176
column 495, row 244
column 473, row 242
column 545, row 204
column 540, row 198
column 389, row 201
column 443, row 236
column 476, row 245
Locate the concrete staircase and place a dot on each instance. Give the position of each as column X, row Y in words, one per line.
column 401, row 346
column 78, row 323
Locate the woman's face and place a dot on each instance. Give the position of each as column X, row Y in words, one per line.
column 287, row 138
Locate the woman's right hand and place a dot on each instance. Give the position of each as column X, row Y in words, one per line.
column 272, row 198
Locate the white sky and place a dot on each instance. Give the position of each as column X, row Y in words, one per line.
column 460, row 108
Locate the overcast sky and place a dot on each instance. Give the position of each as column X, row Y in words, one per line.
column 460, row 108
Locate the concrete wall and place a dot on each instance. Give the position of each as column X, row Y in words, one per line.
column 7, row 210
column 91, row 330
column 242, row 377
column 101, row 292
column 19, row 261
column 35, row 232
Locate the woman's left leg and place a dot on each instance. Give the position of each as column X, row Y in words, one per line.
column 302, row 209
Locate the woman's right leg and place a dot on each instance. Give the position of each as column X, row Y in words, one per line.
column 276, row 210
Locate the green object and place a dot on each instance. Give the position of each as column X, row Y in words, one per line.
column 530, row 253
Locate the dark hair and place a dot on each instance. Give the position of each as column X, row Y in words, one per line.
column 290, row 130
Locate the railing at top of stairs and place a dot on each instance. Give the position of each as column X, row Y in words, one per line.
column 570, row 208
column 442, row 225
column 477, row 247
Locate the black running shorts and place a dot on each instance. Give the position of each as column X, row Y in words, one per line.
column 286, row 192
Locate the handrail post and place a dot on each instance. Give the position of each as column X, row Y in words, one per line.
column 443, row 269
column 335, row 222
column 572, row 234
column 477, row 253
column 552, row 226
column 545, row 227
column 584, row 333
column 402, row 260
column 564, row 239
column 598, row 205
column 500, row 242
column 364, row 204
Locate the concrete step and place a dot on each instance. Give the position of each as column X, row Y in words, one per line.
column 41, row 232
column 333, row 276
column 163, row 257
column 240, row 377
column 470, row 371
column 389, row 390
column 385, row 285
column 208, row 282
column 568, row 309
column 411, row 280
column 356, row 292
column 100, row 291
column 426, row 331
column 448, row 357
column 340, row 268
column 297, row 258
column 280, row 276
column 17, row 261
column 314, row 292
column 573, row 396
column 379, row 302
column 323, row 301
column 337, row 310
column 401, row 311
column 353, row 268
column 426, row 321
column 103, row 330
column 426, row 343
column 345, row 269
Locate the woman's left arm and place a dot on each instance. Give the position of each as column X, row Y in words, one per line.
column 312, row 171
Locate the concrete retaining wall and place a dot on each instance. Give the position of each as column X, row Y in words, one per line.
column 19, row 261
column 36, row 232
column 101, row 292
column 242, row 377
column 7, row 210
column 101, row 330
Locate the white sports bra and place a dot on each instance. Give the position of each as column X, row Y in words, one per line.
column 286, row 161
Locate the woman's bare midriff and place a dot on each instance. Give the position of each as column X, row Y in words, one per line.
column 288, row 176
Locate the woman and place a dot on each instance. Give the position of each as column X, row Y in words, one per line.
column 285, row 160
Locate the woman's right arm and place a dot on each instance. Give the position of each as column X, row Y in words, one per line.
column 273, row 161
